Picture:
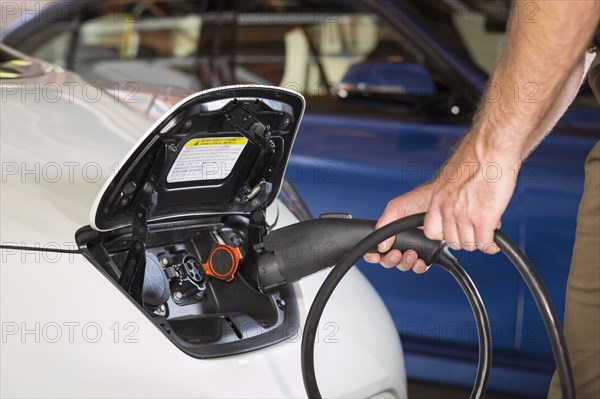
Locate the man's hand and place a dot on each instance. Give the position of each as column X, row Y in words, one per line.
column 470, row 195
column 416, row 201
column 463, row 204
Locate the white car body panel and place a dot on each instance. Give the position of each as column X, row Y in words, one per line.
column 53, row 305
column 50, row 164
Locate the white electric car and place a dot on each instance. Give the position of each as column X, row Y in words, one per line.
column 127, row 258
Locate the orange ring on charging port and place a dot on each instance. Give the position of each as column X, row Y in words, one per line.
column 223, row 262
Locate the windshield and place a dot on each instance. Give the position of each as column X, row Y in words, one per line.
column 304, row 45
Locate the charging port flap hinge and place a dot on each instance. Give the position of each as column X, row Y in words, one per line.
column 248, row 123
column 132, row 276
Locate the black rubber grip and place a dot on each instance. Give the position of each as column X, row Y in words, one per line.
column 294, row 252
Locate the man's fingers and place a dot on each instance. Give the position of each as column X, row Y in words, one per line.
column 372, row 258
column 484, row 235
column 491, row 248
column 420, row 267
column 408, row 260
column 433, row 224
column 391, row 259
column 450, row 233
column 389, row 215
column 466, row 234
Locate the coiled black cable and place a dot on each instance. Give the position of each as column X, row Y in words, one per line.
column 443, row 258
column 512, row 251
column 546, row 309
column 449, row 262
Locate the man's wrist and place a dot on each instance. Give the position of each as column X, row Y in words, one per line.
column 504, row 142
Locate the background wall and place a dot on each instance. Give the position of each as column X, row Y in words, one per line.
column 11, row 11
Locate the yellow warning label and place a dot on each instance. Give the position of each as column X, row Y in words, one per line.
column 210, row 158
column 217, row 141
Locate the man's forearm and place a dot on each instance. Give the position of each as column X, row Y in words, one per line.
column 560, row 105
column 540, row 57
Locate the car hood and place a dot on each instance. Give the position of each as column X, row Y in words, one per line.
column 61, row 138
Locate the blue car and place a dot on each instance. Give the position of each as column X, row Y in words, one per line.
column 391, row 86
